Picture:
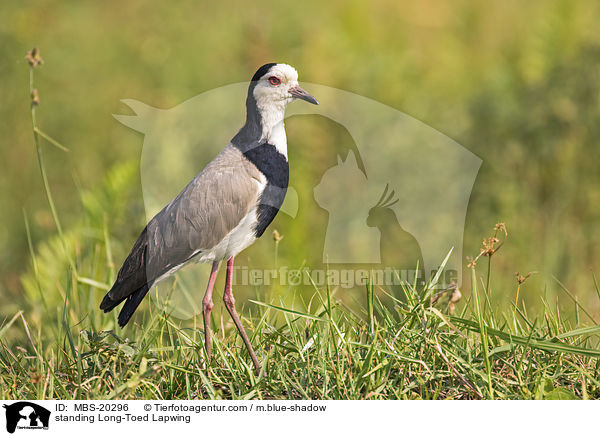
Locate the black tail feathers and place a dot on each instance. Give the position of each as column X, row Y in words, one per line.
column 109, row 304
column 131, row 304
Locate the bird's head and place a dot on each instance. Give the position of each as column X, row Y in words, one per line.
column 275, row 85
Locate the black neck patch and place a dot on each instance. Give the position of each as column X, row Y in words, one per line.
column 276, row 170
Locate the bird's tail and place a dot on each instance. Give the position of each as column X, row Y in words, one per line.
column 109, row 304
column 131, row 304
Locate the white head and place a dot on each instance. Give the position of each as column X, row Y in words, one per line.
column 273, row 86
column 276, row 85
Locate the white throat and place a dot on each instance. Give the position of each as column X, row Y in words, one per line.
column 273, row 128
column 278, row 138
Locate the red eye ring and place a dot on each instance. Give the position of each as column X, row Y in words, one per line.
column 274, row 80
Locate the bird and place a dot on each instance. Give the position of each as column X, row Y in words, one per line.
column 224, row 209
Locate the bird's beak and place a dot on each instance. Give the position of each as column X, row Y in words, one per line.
column 300, row 93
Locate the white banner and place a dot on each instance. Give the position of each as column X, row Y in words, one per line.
column 296, row 417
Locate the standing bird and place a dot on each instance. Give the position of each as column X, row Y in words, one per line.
column 224, row 209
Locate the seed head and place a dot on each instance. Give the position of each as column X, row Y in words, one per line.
column 34, row 58
column 501, row 227
column 276, row 236
column 521, row 279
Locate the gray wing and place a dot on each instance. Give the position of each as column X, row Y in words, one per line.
column 207, row 209
column 212, row 205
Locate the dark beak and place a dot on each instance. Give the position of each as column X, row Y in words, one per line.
column 300, row 93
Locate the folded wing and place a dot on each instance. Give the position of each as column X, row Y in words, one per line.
column 207, row 209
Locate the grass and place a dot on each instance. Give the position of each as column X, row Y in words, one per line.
column 320, row 349
column 428, row 344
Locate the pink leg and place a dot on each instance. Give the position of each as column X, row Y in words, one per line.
column 230, row 304
column 207, row 306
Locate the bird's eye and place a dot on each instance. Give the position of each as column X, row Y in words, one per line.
column 274, row 80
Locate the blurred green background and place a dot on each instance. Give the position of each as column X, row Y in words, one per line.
column 516, row 83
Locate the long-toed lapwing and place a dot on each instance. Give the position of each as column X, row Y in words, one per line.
column 224, row 209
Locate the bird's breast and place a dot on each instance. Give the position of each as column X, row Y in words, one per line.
column 271, row 163
column 275, row 168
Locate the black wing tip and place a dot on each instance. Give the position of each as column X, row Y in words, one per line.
column 108, row 303
column 123, row 322
column 126, row 313
column 132, row 303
